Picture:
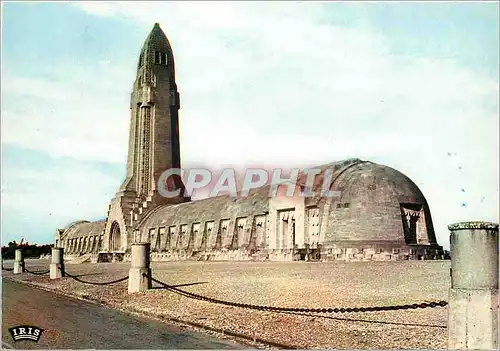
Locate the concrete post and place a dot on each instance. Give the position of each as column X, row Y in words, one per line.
column 139, row 266
column 57, row 263
column 473, row 296
column 18, row 262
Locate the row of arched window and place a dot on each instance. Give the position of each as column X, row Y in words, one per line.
column 207, row 236
column 83, row 245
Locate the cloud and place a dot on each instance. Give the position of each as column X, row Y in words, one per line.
column 273, row 82
column 21, row 186
column 65, row 119
column 102, row 8
column 39, row 197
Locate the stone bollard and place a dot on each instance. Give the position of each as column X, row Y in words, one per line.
column 139, row 266
column 473, row 296
column 19, row 262
column 57, row 263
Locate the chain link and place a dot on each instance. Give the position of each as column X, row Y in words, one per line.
column 95, row 283
column 36, row 273
column 303, row 310
column 432, row 304
column 71, row 276
column 7, row 269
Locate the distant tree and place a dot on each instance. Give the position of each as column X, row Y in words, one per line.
column 29, row 251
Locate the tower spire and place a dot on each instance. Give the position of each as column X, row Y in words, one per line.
column 154, row 140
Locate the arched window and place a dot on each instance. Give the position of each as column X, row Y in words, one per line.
column 114, row 237
column 160, row 58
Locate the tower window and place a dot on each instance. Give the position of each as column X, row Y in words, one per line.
column 141, row 58
column 160, row 58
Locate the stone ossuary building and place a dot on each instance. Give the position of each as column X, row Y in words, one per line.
column 380, row 215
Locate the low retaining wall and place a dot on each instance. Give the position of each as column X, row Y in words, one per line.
column 346, row 254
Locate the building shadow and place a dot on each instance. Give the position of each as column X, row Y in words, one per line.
column 88, row 274
column 365, row 320
column 178, row 286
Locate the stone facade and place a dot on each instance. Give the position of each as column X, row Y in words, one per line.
column 380, row 215
column 82, row 238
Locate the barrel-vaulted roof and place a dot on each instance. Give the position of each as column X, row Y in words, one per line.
column 213, row 208
column 83, row 228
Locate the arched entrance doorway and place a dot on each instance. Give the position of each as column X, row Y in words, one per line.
column 114, row 237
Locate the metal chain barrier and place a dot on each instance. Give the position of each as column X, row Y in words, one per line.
column 36, row 273
column 432, row 304
column 71, row 276
column 7, row 269
column 26, row 269
column 95, row 283
column 305, row 310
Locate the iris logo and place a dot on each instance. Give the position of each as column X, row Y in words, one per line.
column 26, row 332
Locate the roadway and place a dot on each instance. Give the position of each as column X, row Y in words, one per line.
column 69, row 323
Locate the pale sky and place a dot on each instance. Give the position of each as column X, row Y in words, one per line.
column 413, row 86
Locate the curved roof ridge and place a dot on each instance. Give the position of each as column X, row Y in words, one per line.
column 209, row 209
column 152, row 212
column 79, row 226
column 336, row 163
column 72, row 225
column 218, row 197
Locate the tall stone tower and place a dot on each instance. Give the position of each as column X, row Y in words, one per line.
column 153, row 143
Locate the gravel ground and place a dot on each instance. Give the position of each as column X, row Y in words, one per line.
column 284, row 284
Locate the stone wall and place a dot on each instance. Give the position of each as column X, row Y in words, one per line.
column 373, row 251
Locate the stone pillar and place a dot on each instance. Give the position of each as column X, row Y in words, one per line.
column 18, row 262
column 473, row 296
column 139, row 266
column 57, row 264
